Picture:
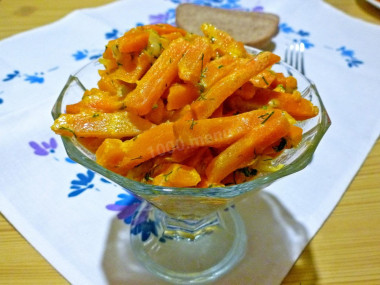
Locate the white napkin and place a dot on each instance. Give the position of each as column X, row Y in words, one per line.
column 69, row 213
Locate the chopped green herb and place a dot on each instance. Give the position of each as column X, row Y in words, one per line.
column 281, row 145
column 266, row 82
column 69, row 130
column 266, row 116
column 166, row 175
column 248, row 172
column 148, row 177
column 203, row 73
column 202, row 97
column 220, row 66
column 123, row 106
column 95, row 115
column 136, row 158
column 155, row 106
column 193, row 123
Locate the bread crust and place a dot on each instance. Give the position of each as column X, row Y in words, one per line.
column 252, row 28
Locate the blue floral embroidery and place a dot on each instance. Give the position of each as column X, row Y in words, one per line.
column 300, row 35
column 82, row 54
column 35, row 78
column 127, row 206
column 168, row 17
column 114, row 34
column 69, row 160
column 258, row 9
column 306, row 43
column 285, row 28
column 11, row 76
column 82, row 184
column 349, row 55
column 45, row 148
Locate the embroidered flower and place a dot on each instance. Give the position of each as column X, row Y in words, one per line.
column 44, row 148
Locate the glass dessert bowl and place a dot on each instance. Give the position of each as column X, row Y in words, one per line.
column 197, row 234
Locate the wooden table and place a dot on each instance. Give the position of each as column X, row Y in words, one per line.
column 346, row 249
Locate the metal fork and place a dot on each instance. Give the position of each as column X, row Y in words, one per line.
column 294, row 56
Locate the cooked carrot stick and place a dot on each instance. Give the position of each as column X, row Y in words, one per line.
column 164, row 28
column 134, row 40
column 211, row 100
column 223, row 43
column 298, row 107
column 158, row 113
column 157, row 79
column 101, row 125
column 181, row 94
column 177, row 175
column 216, row 132
column 132, row 72
column 273, row 127
column 121, row 156
column 194, row 60
column 200, row 160
column 264, row 79
column 247, row 91
column 216, row 69
column 96, row 100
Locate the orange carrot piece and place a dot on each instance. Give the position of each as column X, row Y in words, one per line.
column 240, row 153
column 158, row 113
column 106, row 83
column 216, row 69
column 134, row 40
column 291, row 140
column 180, row 95
column 200, row 160
column 298, row 107
column 215, row 96
column 264, row 79
column 247, row 91
column 119, row 156
column 132, row 71
column 194, row 60
column 101, row 125
column 294, row 136
column 163, row 29
column 172, row 36
column 177, row 175
column 96, row 100
column 92, row 144
column 183, row 114
column 289, row 83
column 157, row 79
column 180, row 154
column 216, row 132
column 223, row 43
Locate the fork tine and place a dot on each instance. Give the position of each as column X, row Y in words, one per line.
column 302, row 49
column 294, row 56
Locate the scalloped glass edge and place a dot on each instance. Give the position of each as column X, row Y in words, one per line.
column 84, row 157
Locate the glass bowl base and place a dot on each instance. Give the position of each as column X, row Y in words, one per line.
column 188, row 252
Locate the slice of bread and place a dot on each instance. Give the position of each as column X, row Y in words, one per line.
column 252, row 28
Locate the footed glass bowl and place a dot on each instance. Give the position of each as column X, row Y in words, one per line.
column 197, row 234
